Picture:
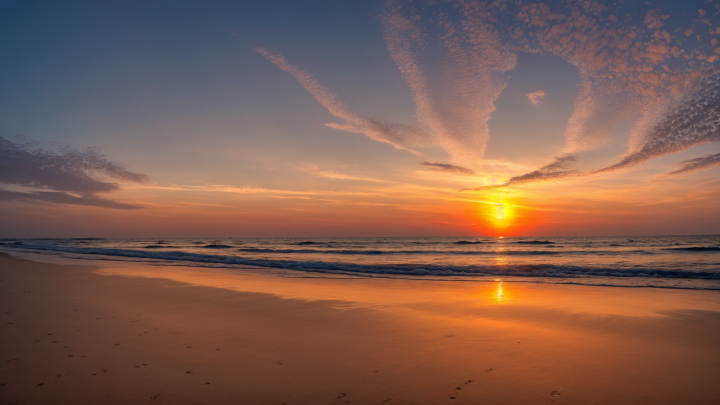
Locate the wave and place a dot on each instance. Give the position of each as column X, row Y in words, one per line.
column 405, row 252
column 696, row 249
column 534, row 270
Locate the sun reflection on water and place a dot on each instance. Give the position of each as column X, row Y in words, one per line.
column 499, row 293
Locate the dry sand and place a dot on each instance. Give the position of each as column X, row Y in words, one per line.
column 119, row 333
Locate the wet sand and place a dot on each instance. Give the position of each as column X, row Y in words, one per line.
column 117, row 333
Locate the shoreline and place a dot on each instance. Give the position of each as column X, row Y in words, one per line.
column 333, row 340
column 607, row 281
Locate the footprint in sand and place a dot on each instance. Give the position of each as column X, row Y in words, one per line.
column 154, row 397
column 554, row 394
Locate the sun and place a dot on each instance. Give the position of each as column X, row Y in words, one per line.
column 502, row 214
column 498, row 211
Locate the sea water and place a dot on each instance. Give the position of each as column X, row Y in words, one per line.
column 643, row 261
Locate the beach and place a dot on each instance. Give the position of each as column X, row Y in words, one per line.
column 112, row 332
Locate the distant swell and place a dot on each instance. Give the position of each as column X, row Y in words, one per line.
column 391, row 252
column 697, row 249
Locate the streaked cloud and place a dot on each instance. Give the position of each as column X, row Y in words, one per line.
column 635, row 72
column 447, row 168
column 555, row 170
column 399, row 135
column 453, row 60
column 75, row 176
column 334, row 174
column 59, row 197
column 700, row 163
column 696, row 121
column 455, row 57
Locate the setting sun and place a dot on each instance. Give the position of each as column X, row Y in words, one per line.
column 499, row 211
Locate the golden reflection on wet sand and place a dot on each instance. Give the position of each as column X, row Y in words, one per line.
column 303, row 339
column 452, row 295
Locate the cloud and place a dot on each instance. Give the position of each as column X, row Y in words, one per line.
column 333, row 174
column 446, row 168
column 68, row 171
column 536, row 97
column 696, row 121
column 399, row 135
column 453, row 60
column 633, row 73
column 553, row 171
column 693, row 122
column 59, row 197
column 700, row 163
column 224, row 188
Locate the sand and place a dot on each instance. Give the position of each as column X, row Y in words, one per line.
column 80, row 332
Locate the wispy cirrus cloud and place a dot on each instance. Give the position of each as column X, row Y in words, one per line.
column 75, row 176
column 453, row 60
column 455, row 57
column 700, row 163
column 626, row 75
column 696, row 121
column 556, row 170
column 59, row 197
column 399, row 135
column 334, row 174
column 448, row 168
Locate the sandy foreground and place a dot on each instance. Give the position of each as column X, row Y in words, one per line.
column 119, row 333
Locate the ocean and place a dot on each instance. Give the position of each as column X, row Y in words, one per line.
column 690, row 262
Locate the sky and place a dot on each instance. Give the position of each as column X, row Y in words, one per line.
column 359, row 118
